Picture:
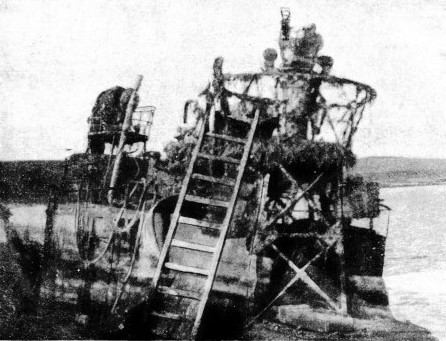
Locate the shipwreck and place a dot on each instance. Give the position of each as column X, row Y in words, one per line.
column 248, row 222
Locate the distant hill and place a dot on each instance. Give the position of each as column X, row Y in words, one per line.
column 30, row 181
column 400, row 171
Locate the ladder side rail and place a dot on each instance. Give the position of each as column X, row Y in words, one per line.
column 176, row 214
column 225, row 227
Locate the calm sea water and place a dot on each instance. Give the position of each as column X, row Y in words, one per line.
column 415, row 264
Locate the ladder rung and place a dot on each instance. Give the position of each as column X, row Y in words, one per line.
column 170, row 316
column 200, row 223
column 220, row 158
column 192, row 246
column 226, row 138
column 207, row 201
column 183, row 268
column 223, row 181
column 179, row 293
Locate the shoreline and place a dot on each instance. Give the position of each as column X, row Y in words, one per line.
column 409, row 184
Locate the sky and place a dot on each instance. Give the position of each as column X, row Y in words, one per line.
column 57, row 56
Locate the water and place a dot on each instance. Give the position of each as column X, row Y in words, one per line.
column 415, row 264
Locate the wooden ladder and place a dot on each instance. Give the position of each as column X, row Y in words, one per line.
column 181, row 290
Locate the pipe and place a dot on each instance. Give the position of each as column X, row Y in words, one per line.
column 125, row 128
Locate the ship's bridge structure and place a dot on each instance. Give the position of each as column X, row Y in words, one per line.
column 331, row 106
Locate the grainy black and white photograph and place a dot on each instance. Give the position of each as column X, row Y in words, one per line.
column 223, row 170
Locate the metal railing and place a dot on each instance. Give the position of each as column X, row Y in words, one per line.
column 142, row 121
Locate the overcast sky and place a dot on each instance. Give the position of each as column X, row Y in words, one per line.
column 57, row 56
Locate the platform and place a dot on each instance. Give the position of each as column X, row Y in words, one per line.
column 110, row 136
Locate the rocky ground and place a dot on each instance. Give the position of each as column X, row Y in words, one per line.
column 394, row 331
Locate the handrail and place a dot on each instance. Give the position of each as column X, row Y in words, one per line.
column 327, row 78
